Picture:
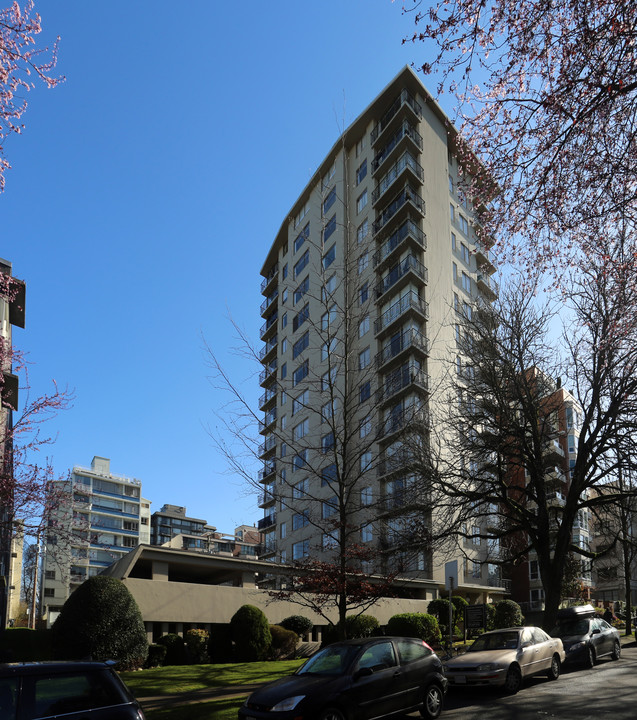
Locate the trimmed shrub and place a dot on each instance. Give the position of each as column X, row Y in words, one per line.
column 250, row 634
column 507, row 614
column 298, row 624
column 156, row 655
column 220, row 644
column 284, row 642
column 361, row 626
column 102, row 620
column 25, row 645
column 197, row 646
column 490, row 616
column 175, row 649
column 459, row 605
column 418, row 625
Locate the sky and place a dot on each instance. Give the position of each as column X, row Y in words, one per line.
column 143, row 197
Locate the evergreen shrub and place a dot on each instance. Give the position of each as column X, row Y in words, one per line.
column 101, row 620
column 250, row 634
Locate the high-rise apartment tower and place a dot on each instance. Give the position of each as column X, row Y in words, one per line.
column 364, row 285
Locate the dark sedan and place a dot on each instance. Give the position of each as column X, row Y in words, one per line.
column 355, row 680
column 586, row 636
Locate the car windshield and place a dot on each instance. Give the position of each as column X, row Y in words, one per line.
column 570, row 627
column 495, row 641
column 332, row 660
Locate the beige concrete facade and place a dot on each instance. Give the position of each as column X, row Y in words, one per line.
column 384, row 234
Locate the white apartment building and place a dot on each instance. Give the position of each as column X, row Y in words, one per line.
column 104, row 517
column 364, row 284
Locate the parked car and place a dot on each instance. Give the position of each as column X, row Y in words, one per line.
column 506, row 657
column 586, row 636
column 355, row 680
column 69, row 690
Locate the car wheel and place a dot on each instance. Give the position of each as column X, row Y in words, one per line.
column 554, row 671
column 590, row 657
column 513, row 680
column 332, row 713
column 432, row 702
column 617, row 650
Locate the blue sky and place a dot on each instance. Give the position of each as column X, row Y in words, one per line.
column 144, row 195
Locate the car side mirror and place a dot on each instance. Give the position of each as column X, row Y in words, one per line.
column 363, row 672
column 596, row 631
column 526, row 644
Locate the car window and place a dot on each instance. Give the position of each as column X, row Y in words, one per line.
column 603, row 625
column 527, row 636
column 495, row 641
column 411, row 650
column 332, row 660
column 58, row 694
column 8, row 698
column 380, row 655
column 539, row 636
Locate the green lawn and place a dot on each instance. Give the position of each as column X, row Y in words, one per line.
column 212, row 710
column 178, row 679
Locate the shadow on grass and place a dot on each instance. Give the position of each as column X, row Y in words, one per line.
column 217, row 709
column 177, row 679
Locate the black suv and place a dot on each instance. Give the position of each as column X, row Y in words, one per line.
column 69, row 690
column 586, row 636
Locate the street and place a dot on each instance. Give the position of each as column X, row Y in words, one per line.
column 609, row 690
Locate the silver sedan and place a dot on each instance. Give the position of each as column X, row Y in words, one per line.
column 505, row 657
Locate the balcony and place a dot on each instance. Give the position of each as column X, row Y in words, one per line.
column 555, row 499
column 407, row 232
column 266, row 497
column 484, row 258
column 410, row 339
column 405, row 103
column 267, row 397
column 406, row 130
column 406, row 198
column 553, row 452
column 407, row 305
column 269, row 325
column 268, row 373
column 398, row 421
column 267, row 446
column 269, row 302
column 270, row 346
column 408, row 268
column 269, row 468
column 398, row 462
column 266, row 521
column 488, row 286
column 403, row 379
column 405, row 163
column 268, row 279
column 266, row 424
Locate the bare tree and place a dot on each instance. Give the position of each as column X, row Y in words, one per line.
column 509, row 484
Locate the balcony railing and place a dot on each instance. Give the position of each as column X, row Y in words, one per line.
column 269, row 346
column 407, row 265
column 404, row 99
column 268, row 373
column 268, row 395
column 404, row 162
column 265, row 498
column 399, row 420
column 487, row 285
column 401, row 307
column 266, row 521
column 410, row 338
column 408, row 230
column 267, row 445
column 269, row 301
column 268, row 469
column 268, row 324
column 401, row 380
column 269, row 277
column 269, row 420
column 405, row 130
column 406, row 195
